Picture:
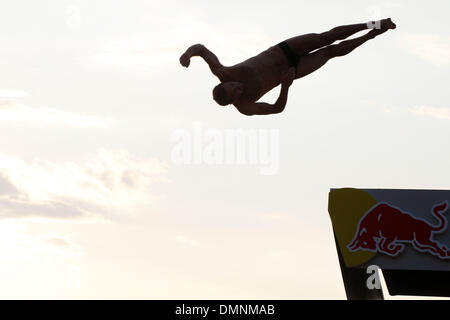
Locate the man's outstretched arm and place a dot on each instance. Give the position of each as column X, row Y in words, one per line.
column 211, row 59
column 260, row 108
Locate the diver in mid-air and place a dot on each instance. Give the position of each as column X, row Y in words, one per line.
column 245, row 83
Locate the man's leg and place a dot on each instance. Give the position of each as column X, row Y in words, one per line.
column 345, row 47
column 309, row 42
column 313, row 61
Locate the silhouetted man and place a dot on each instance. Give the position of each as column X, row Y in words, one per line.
column 245, row 83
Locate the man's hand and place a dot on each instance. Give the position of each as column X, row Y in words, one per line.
column 199, row 50
column 288, row 78
column 185, row 60
column 195, row 50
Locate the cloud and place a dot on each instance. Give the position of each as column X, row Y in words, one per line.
column 9, row 93
column 9, row 98
column 12, row 109
column 183, row 240
column 18, row 244
column 442, row 113
column 6, row 187
column 12, row 207
column 113, row 183
column 58, row 242
column 434, row 49
column 433, row 112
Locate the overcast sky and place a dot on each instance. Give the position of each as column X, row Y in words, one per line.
column 93, row 102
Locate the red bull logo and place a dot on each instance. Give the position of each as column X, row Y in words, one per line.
column 386, row 229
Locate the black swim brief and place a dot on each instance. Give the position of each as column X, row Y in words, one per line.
column 291, row 56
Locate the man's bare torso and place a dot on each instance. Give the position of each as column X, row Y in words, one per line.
column 259, row 74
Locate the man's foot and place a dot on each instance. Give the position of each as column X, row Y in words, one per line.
column 387, row 24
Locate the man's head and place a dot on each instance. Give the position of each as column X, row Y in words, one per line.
column 226, row 93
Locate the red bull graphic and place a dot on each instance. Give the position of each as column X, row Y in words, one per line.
column 385, row 229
